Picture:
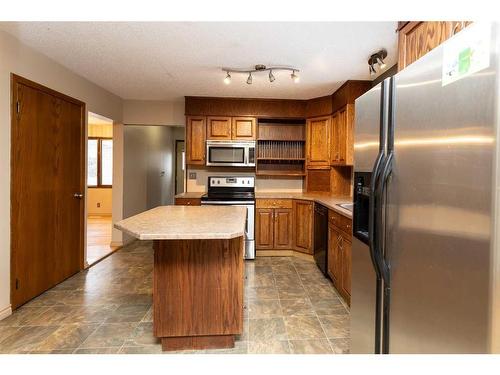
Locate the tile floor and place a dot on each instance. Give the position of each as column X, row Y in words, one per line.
column 289, row 308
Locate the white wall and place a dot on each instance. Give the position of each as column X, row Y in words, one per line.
column 19, row 59
column 289, row 185
column 99, row 201
column 153, row 112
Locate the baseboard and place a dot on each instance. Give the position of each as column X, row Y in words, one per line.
column 4, row 313
column 116, row 244
column 283, row 253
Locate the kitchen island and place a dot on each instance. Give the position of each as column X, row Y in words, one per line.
column 198, row 273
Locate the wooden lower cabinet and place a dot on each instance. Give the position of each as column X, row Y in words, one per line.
column 283, row 228
column 264, row 229
column 340, row 255
column 273, row 229
column 303, row 226
column 187, row 201
column 334, row 260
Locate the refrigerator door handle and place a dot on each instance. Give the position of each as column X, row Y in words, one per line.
column 372, row 212
column 380, row 230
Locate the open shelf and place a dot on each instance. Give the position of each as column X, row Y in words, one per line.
column 280, row 173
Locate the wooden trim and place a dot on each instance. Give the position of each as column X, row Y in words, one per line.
column 14, row 80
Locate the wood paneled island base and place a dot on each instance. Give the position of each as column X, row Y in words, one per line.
column 198, row 292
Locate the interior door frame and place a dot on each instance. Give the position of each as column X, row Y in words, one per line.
column 14, row 80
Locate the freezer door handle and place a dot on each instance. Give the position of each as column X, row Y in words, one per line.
column 372, row 211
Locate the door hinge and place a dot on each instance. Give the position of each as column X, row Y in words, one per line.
column 17, row 284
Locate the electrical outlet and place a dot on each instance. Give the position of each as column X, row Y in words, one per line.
column 192, row 175
column 98, row 204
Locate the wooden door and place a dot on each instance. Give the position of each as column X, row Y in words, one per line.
column 195, row 140
column 219, row 128
column 264, row 229
column 334, row 258
column 244, row 128
column 346, row 255
column 318, row 141
column 303, row 226
column 283, row 228
column 47, row 178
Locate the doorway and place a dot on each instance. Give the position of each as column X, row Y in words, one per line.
column 180, row 167
column 99, row 188
column 47, row 187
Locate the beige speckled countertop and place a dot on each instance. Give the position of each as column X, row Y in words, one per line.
column 327, row 200
column 186, row 223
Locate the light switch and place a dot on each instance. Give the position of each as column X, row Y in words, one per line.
column 192, row 175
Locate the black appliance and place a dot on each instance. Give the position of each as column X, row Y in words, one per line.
column 321, row 237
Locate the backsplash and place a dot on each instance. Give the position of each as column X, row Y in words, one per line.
column 292, row 185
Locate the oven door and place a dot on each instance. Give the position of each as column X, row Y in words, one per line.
column 229, row 154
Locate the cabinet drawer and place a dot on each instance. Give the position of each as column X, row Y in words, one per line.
column 273, row 203
column 187, row 201
column 340, row 221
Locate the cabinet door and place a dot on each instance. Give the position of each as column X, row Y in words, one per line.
column 303, row 226
column 195, row 140
column 218, row 128
column 264, row 229
column 243, row 128
column 334, row 257
column 346, row 254
column 342, row 133
column 318, row 141
column 282, row 228
column 417, row 38
column 335, row 139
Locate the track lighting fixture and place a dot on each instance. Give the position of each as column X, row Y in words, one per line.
column 261, row 68
column 227, row 80
column 271, row 76
column 377, row 58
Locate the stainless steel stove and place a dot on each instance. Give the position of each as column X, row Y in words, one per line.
column 235, row 191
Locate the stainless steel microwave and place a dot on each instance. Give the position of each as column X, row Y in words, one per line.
column 231, row 153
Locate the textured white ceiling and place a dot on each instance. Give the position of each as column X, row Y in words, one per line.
column 168, row 60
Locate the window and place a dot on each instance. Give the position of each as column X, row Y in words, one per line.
column 100, row 162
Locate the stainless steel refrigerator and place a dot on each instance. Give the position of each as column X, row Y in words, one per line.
column 425, row 257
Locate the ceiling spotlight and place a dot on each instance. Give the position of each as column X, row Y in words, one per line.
column 271, row 76
column 260, row 68
column 227, row 80
column 381, row 63
column 378, row 59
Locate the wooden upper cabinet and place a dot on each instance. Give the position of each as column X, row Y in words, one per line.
column 346, row 256
column 264, row 229
column 195, row 140
column 244, row 128
column 303, row 226
column 218, row 128
column 283, row 228
column 318, row 141
column 342, row 140
column 416, row 38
